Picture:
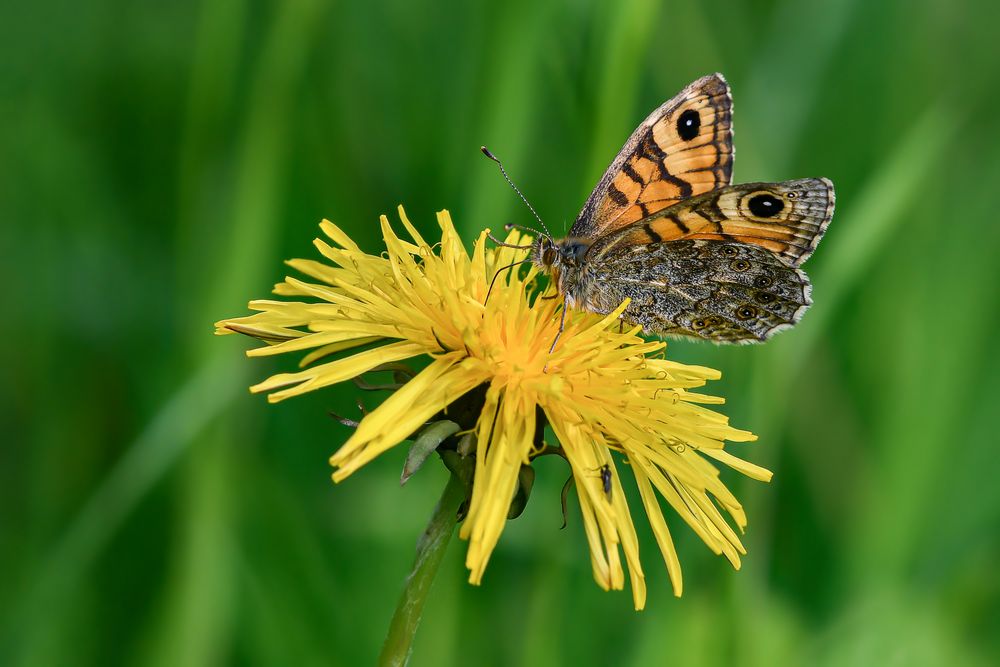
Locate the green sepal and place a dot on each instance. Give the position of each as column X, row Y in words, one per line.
column 429, row 439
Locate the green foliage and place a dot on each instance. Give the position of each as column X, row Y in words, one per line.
column 159, row 160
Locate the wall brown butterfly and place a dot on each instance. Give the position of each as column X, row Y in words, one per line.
column 696, row 255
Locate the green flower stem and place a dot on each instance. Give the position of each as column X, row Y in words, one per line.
column 430, row 551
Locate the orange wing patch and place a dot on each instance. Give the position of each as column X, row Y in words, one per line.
column 682, row 149
column 786, row 218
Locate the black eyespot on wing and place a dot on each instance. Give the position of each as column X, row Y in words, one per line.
column 765, row 205
column 746, row 312
column 689, row 124
column 762, row 281
column 729, row 250
column 764, row 297
column 739, row 265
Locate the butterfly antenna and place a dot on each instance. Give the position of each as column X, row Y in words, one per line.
column 503, row 171
column 509, row 245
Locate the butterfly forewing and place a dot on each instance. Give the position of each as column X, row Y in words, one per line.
column 788, row 219
column 683, row 149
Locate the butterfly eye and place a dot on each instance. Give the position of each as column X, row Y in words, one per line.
column 688, row 125
column 549, row 256
column 765, row 205
column 740, row 265
column 730, row 250
column 746, row 312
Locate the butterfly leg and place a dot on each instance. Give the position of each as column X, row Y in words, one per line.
column 562, row 325
column 497, row 274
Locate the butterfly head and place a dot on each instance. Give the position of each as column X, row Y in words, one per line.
column 544, row 253
column 549, row 255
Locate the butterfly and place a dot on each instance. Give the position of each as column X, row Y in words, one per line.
column 695, row 255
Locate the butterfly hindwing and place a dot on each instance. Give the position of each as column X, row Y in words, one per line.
column 710, row 289
column 786, row 218
column 683, row 149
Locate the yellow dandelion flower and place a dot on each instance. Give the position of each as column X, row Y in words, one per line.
column 600, row 390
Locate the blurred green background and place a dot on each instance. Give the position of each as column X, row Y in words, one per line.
column 159, row 160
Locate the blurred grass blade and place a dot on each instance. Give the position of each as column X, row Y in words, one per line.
column 196, row 624
column 517, row 42
column 786, row 81
column 866, row 228
column 626, row 35
column 144, row 463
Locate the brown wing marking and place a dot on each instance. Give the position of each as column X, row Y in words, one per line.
column 786, row 218
column 684, row 148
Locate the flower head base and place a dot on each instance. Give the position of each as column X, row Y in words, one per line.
column 600, row 390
